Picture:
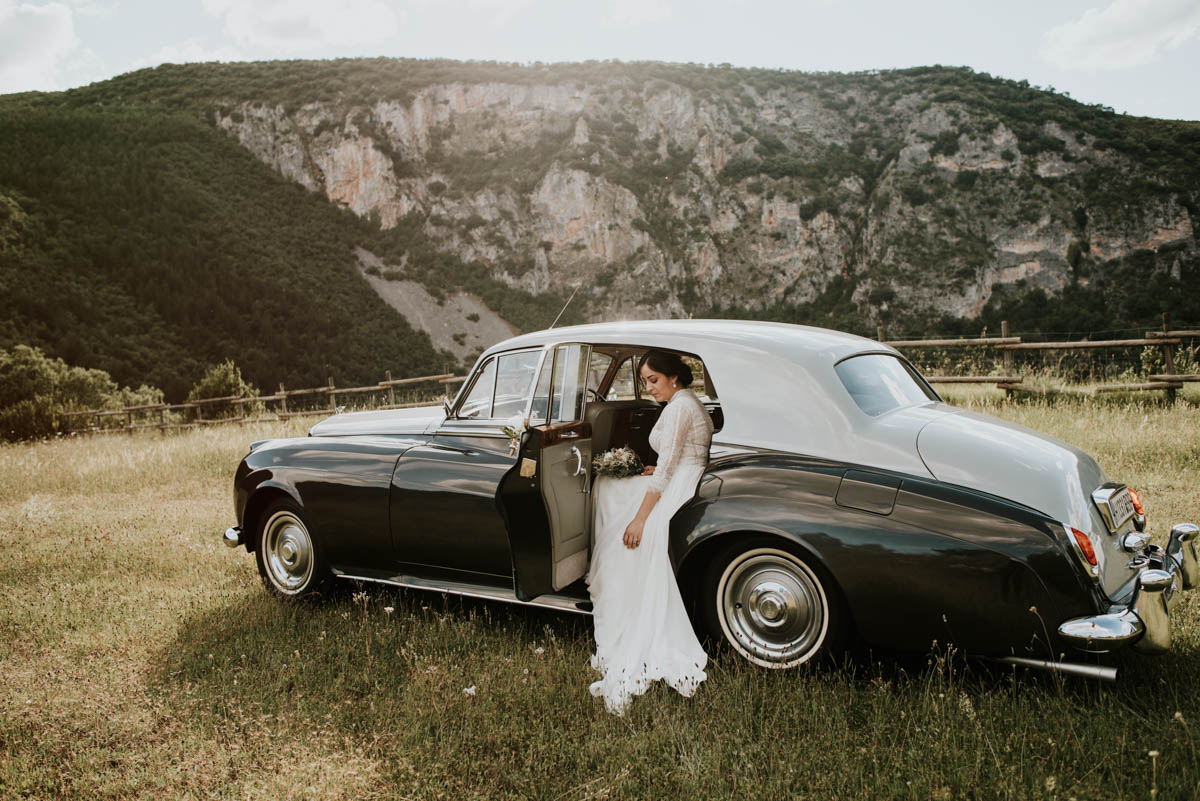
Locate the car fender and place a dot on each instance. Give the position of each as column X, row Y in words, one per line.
column 958, row 590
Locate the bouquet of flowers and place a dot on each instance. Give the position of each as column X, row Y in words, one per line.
column 619, row 462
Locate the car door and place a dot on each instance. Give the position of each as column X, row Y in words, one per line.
column 444, row 519
column 545, row 498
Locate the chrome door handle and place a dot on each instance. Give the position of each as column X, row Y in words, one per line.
column 569, row 435
column 578, row 461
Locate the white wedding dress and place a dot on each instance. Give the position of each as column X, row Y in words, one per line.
column 642, row 628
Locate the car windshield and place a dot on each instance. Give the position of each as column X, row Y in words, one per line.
column 879, row 383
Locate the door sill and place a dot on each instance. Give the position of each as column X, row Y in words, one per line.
column 562, row 603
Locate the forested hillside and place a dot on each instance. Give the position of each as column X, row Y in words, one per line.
column 171, row 218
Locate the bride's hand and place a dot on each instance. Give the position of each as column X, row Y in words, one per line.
column 633, row 534
column 649, row 471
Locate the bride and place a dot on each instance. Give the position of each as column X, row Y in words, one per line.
column 642, row 629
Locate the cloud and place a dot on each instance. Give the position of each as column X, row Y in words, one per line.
column 639, row 12
column 1128, row 33
column 191, row 51
column 36, row 43
column 299, row 25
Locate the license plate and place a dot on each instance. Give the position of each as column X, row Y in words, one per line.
column 1121, row 506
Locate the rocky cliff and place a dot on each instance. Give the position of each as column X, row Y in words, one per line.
column 903, row 194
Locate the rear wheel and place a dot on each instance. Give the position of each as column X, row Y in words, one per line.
column 289, row 560
column 771, row 607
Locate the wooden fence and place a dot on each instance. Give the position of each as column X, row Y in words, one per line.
column 1006, row 345
column 92, row 419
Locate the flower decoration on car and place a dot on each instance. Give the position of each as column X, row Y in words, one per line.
column 514, row 427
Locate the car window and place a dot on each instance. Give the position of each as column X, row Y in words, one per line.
column 597, row 368
column 879, row 383
column 623, row 387
column 541, row 393
column 570, row 379
column 478, row 402
column 514, row 378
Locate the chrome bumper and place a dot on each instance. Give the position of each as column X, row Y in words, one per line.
column 233, row 536
column 1145, row 622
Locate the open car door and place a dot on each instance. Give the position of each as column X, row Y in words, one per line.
column 545, row 499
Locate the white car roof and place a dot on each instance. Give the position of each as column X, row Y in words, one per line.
column 775, row 383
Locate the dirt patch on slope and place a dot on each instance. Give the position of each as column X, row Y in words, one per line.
column 461, row 324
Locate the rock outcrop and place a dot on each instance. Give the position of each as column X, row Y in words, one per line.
column 661, row 198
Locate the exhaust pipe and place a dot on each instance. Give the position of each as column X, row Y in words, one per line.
column 1100, row 672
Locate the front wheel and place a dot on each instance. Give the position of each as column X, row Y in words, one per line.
column 772, row 608
column 289, row 560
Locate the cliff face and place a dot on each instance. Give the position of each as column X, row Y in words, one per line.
column 666, row 199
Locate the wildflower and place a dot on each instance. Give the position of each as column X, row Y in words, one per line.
column 964, row 703
column 389, row 609
column 1178, row 715
column 539, row 650
column 1051, row 783
column 1152, row 754
column 469, row 690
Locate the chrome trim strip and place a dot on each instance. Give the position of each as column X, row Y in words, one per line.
column 560, row 602
column 1102, row 672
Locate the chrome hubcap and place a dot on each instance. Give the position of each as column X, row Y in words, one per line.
column 287, row 552
column 772, row 608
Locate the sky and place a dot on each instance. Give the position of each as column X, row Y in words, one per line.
column 1140, row 57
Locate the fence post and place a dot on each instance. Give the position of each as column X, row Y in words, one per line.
column 1168, row 355
column 332, row 397
column 283, row 400
column 162, row 419
column 879, row 332
column 391, row 389
column 129, row 421
column 1008, row 356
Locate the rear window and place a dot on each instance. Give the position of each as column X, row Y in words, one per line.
column 879, row 383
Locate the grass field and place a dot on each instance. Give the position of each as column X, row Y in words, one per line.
column 140, row 658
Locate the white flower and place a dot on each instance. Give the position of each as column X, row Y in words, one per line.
column 389, row 609
column 469, row 690
column 539, row 650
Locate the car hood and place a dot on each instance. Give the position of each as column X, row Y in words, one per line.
column 388, row 421
column 1012, row 461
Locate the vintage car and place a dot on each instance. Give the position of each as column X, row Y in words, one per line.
column 843, row 499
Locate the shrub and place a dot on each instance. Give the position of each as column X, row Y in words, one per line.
column 221, row 381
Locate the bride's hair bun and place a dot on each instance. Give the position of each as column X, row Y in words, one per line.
column 669, row 364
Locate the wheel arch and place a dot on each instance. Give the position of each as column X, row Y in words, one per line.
column 262, row 497
column 700, row 552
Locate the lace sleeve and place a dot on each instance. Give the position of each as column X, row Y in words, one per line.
column 676, row 426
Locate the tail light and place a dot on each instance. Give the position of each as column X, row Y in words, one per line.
column 1085, row 546
column 1137, row 501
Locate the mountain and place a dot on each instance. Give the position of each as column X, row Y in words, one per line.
column 308, row 218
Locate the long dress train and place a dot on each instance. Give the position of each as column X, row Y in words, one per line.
column 643, row 632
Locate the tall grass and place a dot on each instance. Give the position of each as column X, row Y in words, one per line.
column 141, row 659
